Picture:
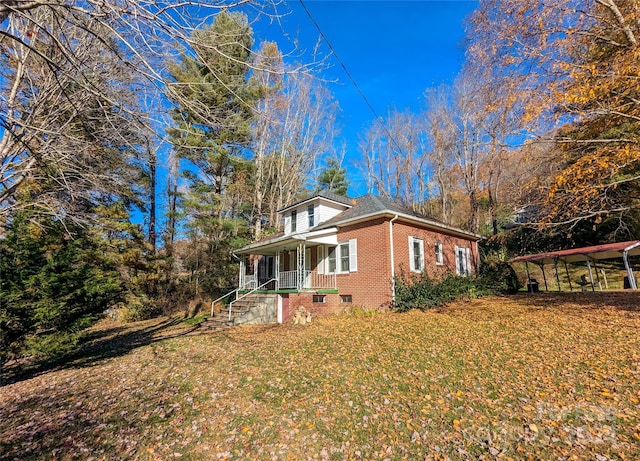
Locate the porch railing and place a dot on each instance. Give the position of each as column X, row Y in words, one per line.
column 312, row 280
column 248, row 281
column 288, row 280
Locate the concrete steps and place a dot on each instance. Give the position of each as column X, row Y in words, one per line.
column 248, row 310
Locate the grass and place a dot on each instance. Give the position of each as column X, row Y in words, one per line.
column 550, row 376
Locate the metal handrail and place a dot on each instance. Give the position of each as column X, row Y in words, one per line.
column 248, row 293
column 213, row 303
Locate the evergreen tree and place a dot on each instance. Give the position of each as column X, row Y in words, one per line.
column 333, row 177
column 211, row 130
column 52, row 286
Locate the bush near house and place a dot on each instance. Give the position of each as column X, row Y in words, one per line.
column 423, row 292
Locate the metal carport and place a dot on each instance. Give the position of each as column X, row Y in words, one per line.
column 589, row 254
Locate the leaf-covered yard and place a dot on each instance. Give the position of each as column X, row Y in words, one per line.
column 540, row 377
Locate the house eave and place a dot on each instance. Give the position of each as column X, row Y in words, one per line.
column 311, row 199
column 270, row 244
column 432, row 225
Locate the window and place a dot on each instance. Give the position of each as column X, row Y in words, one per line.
column 346, row 299
column 331, row 256
column 463, row 261
column 319, row 298
column 439, row 254
column 343, row 258
column 294, row 220
column 416, row 254
column 310, row 212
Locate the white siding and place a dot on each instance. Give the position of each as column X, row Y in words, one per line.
column 325, row 212
column 322, row 213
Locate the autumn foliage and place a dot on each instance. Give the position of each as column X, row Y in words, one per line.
column 576, row 67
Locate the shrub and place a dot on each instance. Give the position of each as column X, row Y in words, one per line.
column 498, row 277
column 423, row 292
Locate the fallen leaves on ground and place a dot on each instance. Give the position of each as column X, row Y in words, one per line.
column 539, row 377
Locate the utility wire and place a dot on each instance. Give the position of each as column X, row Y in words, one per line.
column 350, row 77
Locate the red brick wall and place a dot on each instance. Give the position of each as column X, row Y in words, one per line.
column 370, row 286
column 332, row 304
column 401, row 234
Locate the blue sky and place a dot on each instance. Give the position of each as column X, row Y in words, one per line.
column 394, row 50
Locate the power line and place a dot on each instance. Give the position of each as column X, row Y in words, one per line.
column 350, row 77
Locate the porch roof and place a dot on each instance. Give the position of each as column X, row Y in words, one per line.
column 278, row 241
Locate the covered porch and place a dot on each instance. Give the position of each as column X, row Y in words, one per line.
column 293, row 266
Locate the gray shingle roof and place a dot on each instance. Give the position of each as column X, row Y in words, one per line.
column 370, row 205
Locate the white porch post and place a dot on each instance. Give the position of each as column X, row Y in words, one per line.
column 300, row 261
column 241, row 274
column 276, row 264
column 256, row 275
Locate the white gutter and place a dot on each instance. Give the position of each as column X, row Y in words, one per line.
column 625, row 257
column 393, row 265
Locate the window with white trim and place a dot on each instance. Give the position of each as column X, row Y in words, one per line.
column 439, row 254
column 416, row 254
column 463, row 261
column 294, row 221
column 343, row 258
column 331, row 260
column 311, row 214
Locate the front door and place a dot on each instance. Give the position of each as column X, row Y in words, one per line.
column 307, row 268
column 266, row 269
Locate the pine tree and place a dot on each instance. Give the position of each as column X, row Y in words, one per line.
column 211, row 132
column 333, row 177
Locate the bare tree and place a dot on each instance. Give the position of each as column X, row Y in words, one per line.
column 294, row 127
column 58, row 56
column 70, row 122
column 397, row 160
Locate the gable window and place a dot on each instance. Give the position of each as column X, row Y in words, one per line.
column 439, row 254
column 416, row 254
column 343, row 258
column 463, row 261
column 310, row 213
column 294, row 221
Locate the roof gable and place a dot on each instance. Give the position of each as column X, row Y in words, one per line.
column 324, row 194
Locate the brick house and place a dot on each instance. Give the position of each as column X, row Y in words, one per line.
column 336, row 252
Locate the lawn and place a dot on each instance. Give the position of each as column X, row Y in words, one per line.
column 549, row 376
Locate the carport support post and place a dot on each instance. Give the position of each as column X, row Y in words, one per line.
column 566, row 268
column 593, row 287
column 595, row 268
column 529, row 284
column 625, row 258
column 555, row 265
column 544, row 277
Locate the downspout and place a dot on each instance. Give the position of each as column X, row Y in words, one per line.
column 393, row 265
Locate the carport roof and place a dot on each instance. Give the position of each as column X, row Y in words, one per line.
column 597, row 252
